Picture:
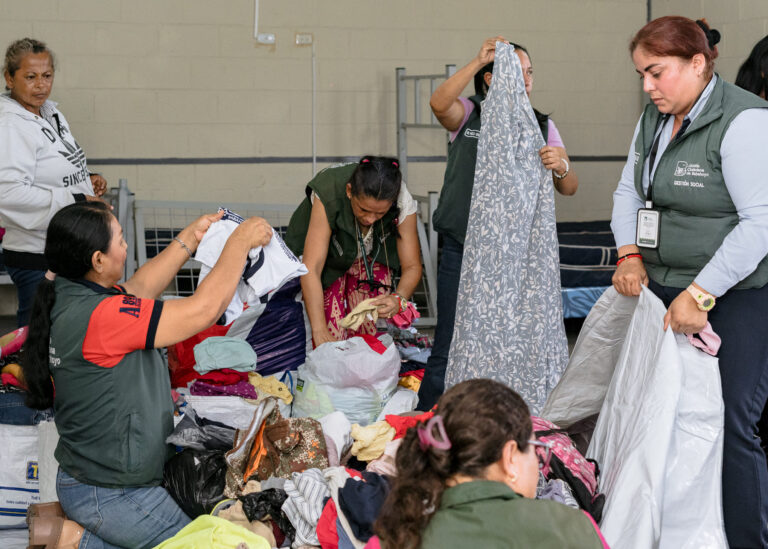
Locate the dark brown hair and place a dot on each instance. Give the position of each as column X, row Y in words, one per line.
column 17, row 50
column 480, row 417
column 675, row 36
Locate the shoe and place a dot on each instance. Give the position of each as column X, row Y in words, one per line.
column 46, row 531
column 51, row 509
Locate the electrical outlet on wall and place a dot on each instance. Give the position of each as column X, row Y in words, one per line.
column 265, row 38
column 303, row 38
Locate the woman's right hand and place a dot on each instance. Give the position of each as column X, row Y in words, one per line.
column 630, row 276
column 322, row 335
column 256, row 231
column 487, row 52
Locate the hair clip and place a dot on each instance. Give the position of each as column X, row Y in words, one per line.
column 427, row 439
column 395, row 164
column 365, row 160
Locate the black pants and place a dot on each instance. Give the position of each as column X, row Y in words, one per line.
column 448, row 276
column 740, row 318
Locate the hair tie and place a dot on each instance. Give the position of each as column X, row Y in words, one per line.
column 713, row 35
column 427, row 439
column 395, row 164
column 365, row 160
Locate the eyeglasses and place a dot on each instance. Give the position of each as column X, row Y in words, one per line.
column 544, row 452
column 371, row 286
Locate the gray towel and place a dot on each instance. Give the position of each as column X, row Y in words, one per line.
column 509, row 313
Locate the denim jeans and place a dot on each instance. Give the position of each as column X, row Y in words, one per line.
column 739, row 319
column 26, row 281
column 448, row 276
column 14, row 412
column 133, row 517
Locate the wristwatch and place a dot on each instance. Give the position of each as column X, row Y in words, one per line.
column 704, row 301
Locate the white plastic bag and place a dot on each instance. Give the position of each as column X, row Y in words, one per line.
column 48, row 438
column 659, row 435
column 19, row 485
column 348, row 376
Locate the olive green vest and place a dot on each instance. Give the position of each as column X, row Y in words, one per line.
column 112, row 422
column 488, row 514
column 688, row 189
column 452, row 214
column 330, row 185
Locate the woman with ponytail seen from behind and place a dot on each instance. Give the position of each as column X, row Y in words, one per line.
column 95, row 345
column 467, row 478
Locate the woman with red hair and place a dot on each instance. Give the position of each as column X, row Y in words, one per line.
column 690, row 219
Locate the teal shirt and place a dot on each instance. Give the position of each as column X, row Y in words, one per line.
column 490, row 515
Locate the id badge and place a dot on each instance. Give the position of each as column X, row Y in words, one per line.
column 648, row 228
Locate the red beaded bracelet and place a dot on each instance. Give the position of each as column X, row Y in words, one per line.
column 628, row 256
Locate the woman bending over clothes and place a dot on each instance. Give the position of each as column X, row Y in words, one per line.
column 356, row 228
column 97, row 343
column 42, row 168
column 690, row 218
column 468, row 478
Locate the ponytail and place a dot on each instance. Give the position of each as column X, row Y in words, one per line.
column 34, row 356
column 415, row 495
column 478, row 418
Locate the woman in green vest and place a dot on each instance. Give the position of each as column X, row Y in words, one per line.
column 690, row 219
column 467, row 478
column 98, row 343
column 355, row 229
column 461, row 117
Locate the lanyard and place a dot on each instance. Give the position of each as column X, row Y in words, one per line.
column 368, row 266
column 655, row 150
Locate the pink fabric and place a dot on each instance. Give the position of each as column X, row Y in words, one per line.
column 225, row 376
column 373, row 543
column 342, row 296
column 11, row 343
column 597, row 530
column 10, row 379
column 241, row 389
column 708, row 341
column 468, row 108
column 405, row 318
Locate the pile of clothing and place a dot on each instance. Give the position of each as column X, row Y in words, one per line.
column 303, row 481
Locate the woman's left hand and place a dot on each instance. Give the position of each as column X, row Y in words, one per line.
column 552, row 158
column 99, row 184
column 200, row 225
column 684, row 316
column 387, row 305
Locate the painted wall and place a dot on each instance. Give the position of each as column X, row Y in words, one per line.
column 152, row 79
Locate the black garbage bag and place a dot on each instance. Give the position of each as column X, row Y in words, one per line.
column 200, row 433
column 259, row 505
column 195, row 480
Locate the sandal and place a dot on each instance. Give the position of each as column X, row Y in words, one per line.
column 44, row 531
column 51, row 509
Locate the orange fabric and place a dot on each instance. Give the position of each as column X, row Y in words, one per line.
column 118, row 326
column 258, row 451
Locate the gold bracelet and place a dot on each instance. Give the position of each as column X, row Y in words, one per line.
column 186, row 248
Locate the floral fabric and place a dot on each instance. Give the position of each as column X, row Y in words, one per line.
column 509, row 313
column 343, row 295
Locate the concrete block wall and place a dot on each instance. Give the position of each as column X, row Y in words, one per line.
column 148, row 79
column 151, row 79
column 742, row 24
